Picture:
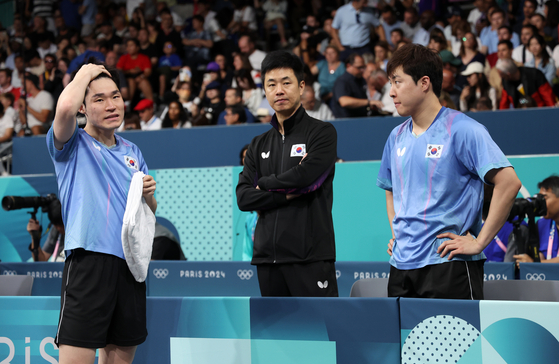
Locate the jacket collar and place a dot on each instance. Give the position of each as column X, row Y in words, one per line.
column 290, row 122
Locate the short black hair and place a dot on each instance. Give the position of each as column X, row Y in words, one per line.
column 241, row 154
column 7, row 71
column 282, row 59
column 135, row 40
column 397, row 30
column 506, row 42
column 238, row 91
column 198, row 17
column 114, row 74
column 418, row 61
column 506, row 27
column 238, row 109
column 351, row 58
column 550, row 183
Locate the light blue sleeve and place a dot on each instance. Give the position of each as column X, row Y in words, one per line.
column 384, row 178
column 67, row 149
column 476, row 149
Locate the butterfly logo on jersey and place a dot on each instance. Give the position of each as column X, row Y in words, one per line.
column 131, row 163
column 400, row 152
column 96, row 146
column 434, row 151
column 298, row 150
column 265, row 155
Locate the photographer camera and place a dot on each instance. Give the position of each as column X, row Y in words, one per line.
column 547, row 225
column 54, row 245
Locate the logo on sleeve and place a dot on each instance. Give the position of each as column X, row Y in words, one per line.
column 298, row 150
column 265, row 155
column 131, row 163
column 434, row 151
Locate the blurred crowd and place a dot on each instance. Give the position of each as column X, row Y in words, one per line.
column 187, row 63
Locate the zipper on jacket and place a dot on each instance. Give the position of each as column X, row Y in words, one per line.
column 277, row 212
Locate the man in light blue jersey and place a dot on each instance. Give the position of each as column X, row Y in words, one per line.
column 433, row 169
column 102, row 305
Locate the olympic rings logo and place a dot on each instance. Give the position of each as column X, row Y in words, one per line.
column 10, row 273
column 245, row 274
column 160, row 273
column 338, row 274
column 535, row 276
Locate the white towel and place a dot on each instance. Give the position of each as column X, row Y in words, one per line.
column 138, row 229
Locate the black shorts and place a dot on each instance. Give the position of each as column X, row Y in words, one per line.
column 455, row 279
column 101, row 302
column 316, row 279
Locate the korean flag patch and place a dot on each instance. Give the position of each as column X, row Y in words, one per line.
column 434, row 151
column 298, row 150
column 131, row 163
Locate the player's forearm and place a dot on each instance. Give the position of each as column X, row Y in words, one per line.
column 507, row 186
column 152, row 202
column 390, row 210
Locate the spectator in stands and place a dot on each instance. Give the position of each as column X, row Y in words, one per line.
column 240, row 61
column 352, row 29
column 255, row 56
column 225, row 71
column 92, row 51
column 425, row 262
column 45, row 45
column 382, row 54
column 523, row 81
column 411, row 24
column 428, row 23
column 504, row 51
column 382, row 85
column 137, row 69
column 168, row 67
column 88, row 11
column 33, row 62
column 478, row 16
column 166, row 31
column 449, row 86
column 547, row 225
column 197, row 44
column 147, row 48
column 252, row 96
column 541, row 58
column 275, row 11
column 522, row 53
column 17, row 73
column 131, row 122
column 244, row 19
column 234, row 115
column 453, row 17
column 437, row 43
column 120, row 28
column 528, row 9
column 551, row 12
column 176, row 117
column 315, row 108
column 36, row 109
column 389, row 23
column 6, row 130
column 328, row 70
column 396, row 36
column 39, row 29
column 6, row 83
column 469, row 53
column 51, row 79
column 112, row 41
column 477, row 87
column 538, row 21
column 7, row 100
column 234, row 96
column 303, row 185
column 349, row 98
column 54, row 245
column 148, row 119
column 212, row 104
column 490, row 37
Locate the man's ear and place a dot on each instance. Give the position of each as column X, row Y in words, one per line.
column 425, row 83
column 81, row 110
column 301, row 87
